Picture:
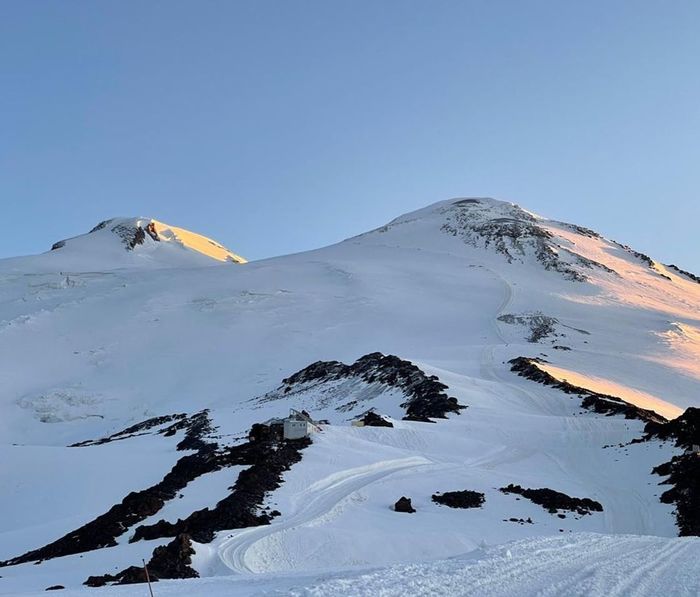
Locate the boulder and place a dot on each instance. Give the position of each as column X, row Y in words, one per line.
column 404, row 505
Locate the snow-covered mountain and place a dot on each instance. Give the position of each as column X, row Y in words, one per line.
column 120, row 243
column 528, row 365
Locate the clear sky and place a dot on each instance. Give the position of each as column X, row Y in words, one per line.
column 278, row 126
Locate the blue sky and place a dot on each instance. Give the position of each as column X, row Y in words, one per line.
column 278, row 126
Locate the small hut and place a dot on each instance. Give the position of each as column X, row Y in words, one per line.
column 298, row 425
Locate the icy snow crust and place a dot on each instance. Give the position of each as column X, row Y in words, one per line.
column 95, row 337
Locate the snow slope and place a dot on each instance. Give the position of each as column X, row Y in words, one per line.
column 576, row 565
column 96, row 337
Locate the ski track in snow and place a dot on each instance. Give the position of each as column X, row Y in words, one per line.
column 318, row 500
column 582, row 565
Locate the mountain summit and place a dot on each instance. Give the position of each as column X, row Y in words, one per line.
column 120, row 243
column 134, row 233
column 468, row 375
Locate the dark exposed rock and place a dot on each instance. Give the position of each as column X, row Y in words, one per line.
column 261, row 432
column 552, row 501
column 594, row 401
column 688, row 275
column 103, row 224
column 138, row 505
column 426, row 397
column 520, row 521
column 130, row 235
column 682, row 471
column 174, row 559
column 268, row 460
column 583, row 231
column 460, row 499
column 403, row 504
column 59, row 245
column 540, row 325
column 137, row 429
column 685, row 430
column 517, row 235
column 372, row 419
column 129, row 576
column 54, row 588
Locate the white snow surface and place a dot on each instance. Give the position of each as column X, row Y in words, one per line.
column 95, row 338
column 583, row 564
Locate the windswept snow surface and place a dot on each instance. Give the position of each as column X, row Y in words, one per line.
column 95, row 338
column 578, row 565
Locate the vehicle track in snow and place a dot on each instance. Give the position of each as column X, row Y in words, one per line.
column 313, row 503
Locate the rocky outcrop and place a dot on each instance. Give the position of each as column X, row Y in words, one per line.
column 268, row 461
column 682, row 272
column 517, row 235
column 425, row 394
column 541, row 326
column 372, row 419
column 682, row 472
column 460, row 499
column 403, row 504
column 139, row 505
column 173, row 560
column 554, row 501
column 684, row 430
column 593, row 401
column 134, row 430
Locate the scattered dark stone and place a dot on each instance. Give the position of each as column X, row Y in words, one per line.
column 519, row 520
column 54, row 588
column 460, row 499
column 426, row 394
column 560, row 347
column 593, row 401
column 404, row 505
column 552, row 501
column 59, row 245
column 372, row 419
